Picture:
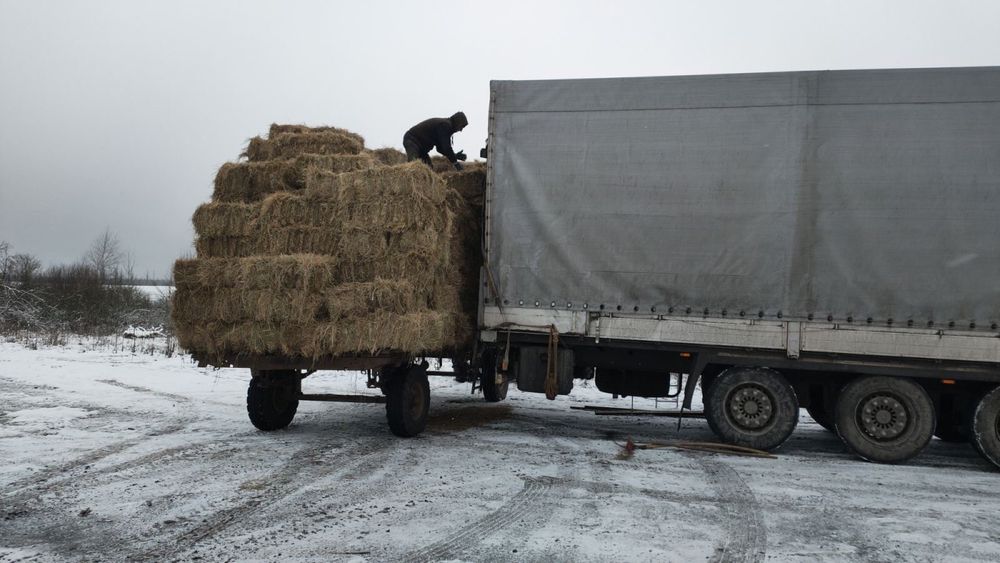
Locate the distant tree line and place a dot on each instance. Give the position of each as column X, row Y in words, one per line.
column 93, row 296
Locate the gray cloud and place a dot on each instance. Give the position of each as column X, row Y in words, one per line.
column 118, row 113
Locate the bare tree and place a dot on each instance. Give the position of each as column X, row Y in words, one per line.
column 23, row 268
column 129, row 267
column 105, row 254
column 4, row 260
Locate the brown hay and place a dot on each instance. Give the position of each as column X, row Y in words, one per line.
column 290, row 145
column 249, row 181
column 381, row 332
column 252, row 181
column 299, row 271
column 307, row 251
column 226, row 247
column 394, row 198
column 333, row 163
column 277, row 129
column 388, row 156
column 224, row 219
column 469, row 183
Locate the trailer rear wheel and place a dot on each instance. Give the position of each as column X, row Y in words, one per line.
column 408, row 399
column 752, row 407
column 273, row 398
column 986, row 427
column 885, row 419
column 493, row 392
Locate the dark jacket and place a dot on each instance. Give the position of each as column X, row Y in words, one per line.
column 436, row 132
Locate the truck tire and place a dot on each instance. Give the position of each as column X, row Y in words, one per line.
column 271, row 402
column 408, row 399
column 986, row 427
column 885, row 419
column 493, row 392
column 752, row 407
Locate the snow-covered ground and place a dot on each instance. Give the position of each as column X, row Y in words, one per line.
column 115, row 456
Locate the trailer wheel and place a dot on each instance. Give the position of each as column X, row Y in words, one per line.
column 752, row 407
column 885, row 419
column 493, row 392
column 273, row 398
column 986, row 427
column 408, row 398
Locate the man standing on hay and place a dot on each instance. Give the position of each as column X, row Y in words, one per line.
column 435, row 132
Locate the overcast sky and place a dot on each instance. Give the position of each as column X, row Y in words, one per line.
column 118, row 113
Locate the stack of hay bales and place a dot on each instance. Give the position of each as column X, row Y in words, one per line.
column 316, row 247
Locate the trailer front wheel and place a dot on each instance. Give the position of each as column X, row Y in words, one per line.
column 408, row 399
column 493, row 392
column 986, row 427
column 752, row 407
column 272, row 399
column 885, row 419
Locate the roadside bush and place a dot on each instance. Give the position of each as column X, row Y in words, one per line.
column 77, row 299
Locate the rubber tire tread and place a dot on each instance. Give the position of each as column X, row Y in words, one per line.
column 917, row 402
column 786, row 407
column 397, row 394
column 260, row 407
column 984, row 430
column 492, row 392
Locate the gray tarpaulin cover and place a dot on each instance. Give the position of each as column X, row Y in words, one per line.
column 844, row 193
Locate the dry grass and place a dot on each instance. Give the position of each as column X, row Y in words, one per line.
column 277, row 129
column 290, row 145
column 315, row 248
column 388, row 156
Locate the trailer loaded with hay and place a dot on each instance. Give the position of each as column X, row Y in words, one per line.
column 316, row 253
column 817, row 240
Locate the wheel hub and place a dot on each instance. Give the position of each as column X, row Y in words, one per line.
column 883, row 417
column 750, row 407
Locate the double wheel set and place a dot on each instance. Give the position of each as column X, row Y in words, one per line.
column 881, row 419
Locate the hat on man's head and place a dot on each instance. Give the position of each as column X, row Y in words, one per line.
column 459, row 121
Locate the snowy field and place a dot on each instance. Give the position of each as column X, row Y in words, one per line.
column 155, row 292
column 110, row 456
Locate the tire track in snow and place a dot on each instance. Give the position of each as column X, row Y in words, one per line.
column 23, row 491
column 49, row 478
column 304, row 468
column 527, row 502
column 746, row 536
column 145, row 390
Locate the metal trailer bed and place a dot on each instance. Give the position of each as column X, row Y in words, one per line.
column 818, row 239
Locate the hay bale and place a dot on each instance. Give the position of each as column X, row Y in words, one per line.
column 388, row 156
column 249, row 181
column 296, row 271
column 414, row 333
column 290, row 145
column 470, row 184
column 226, row 247
column 335, row 163
column 315, row 248
column 277, row 129
column 225, row 219
column 253, row 181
